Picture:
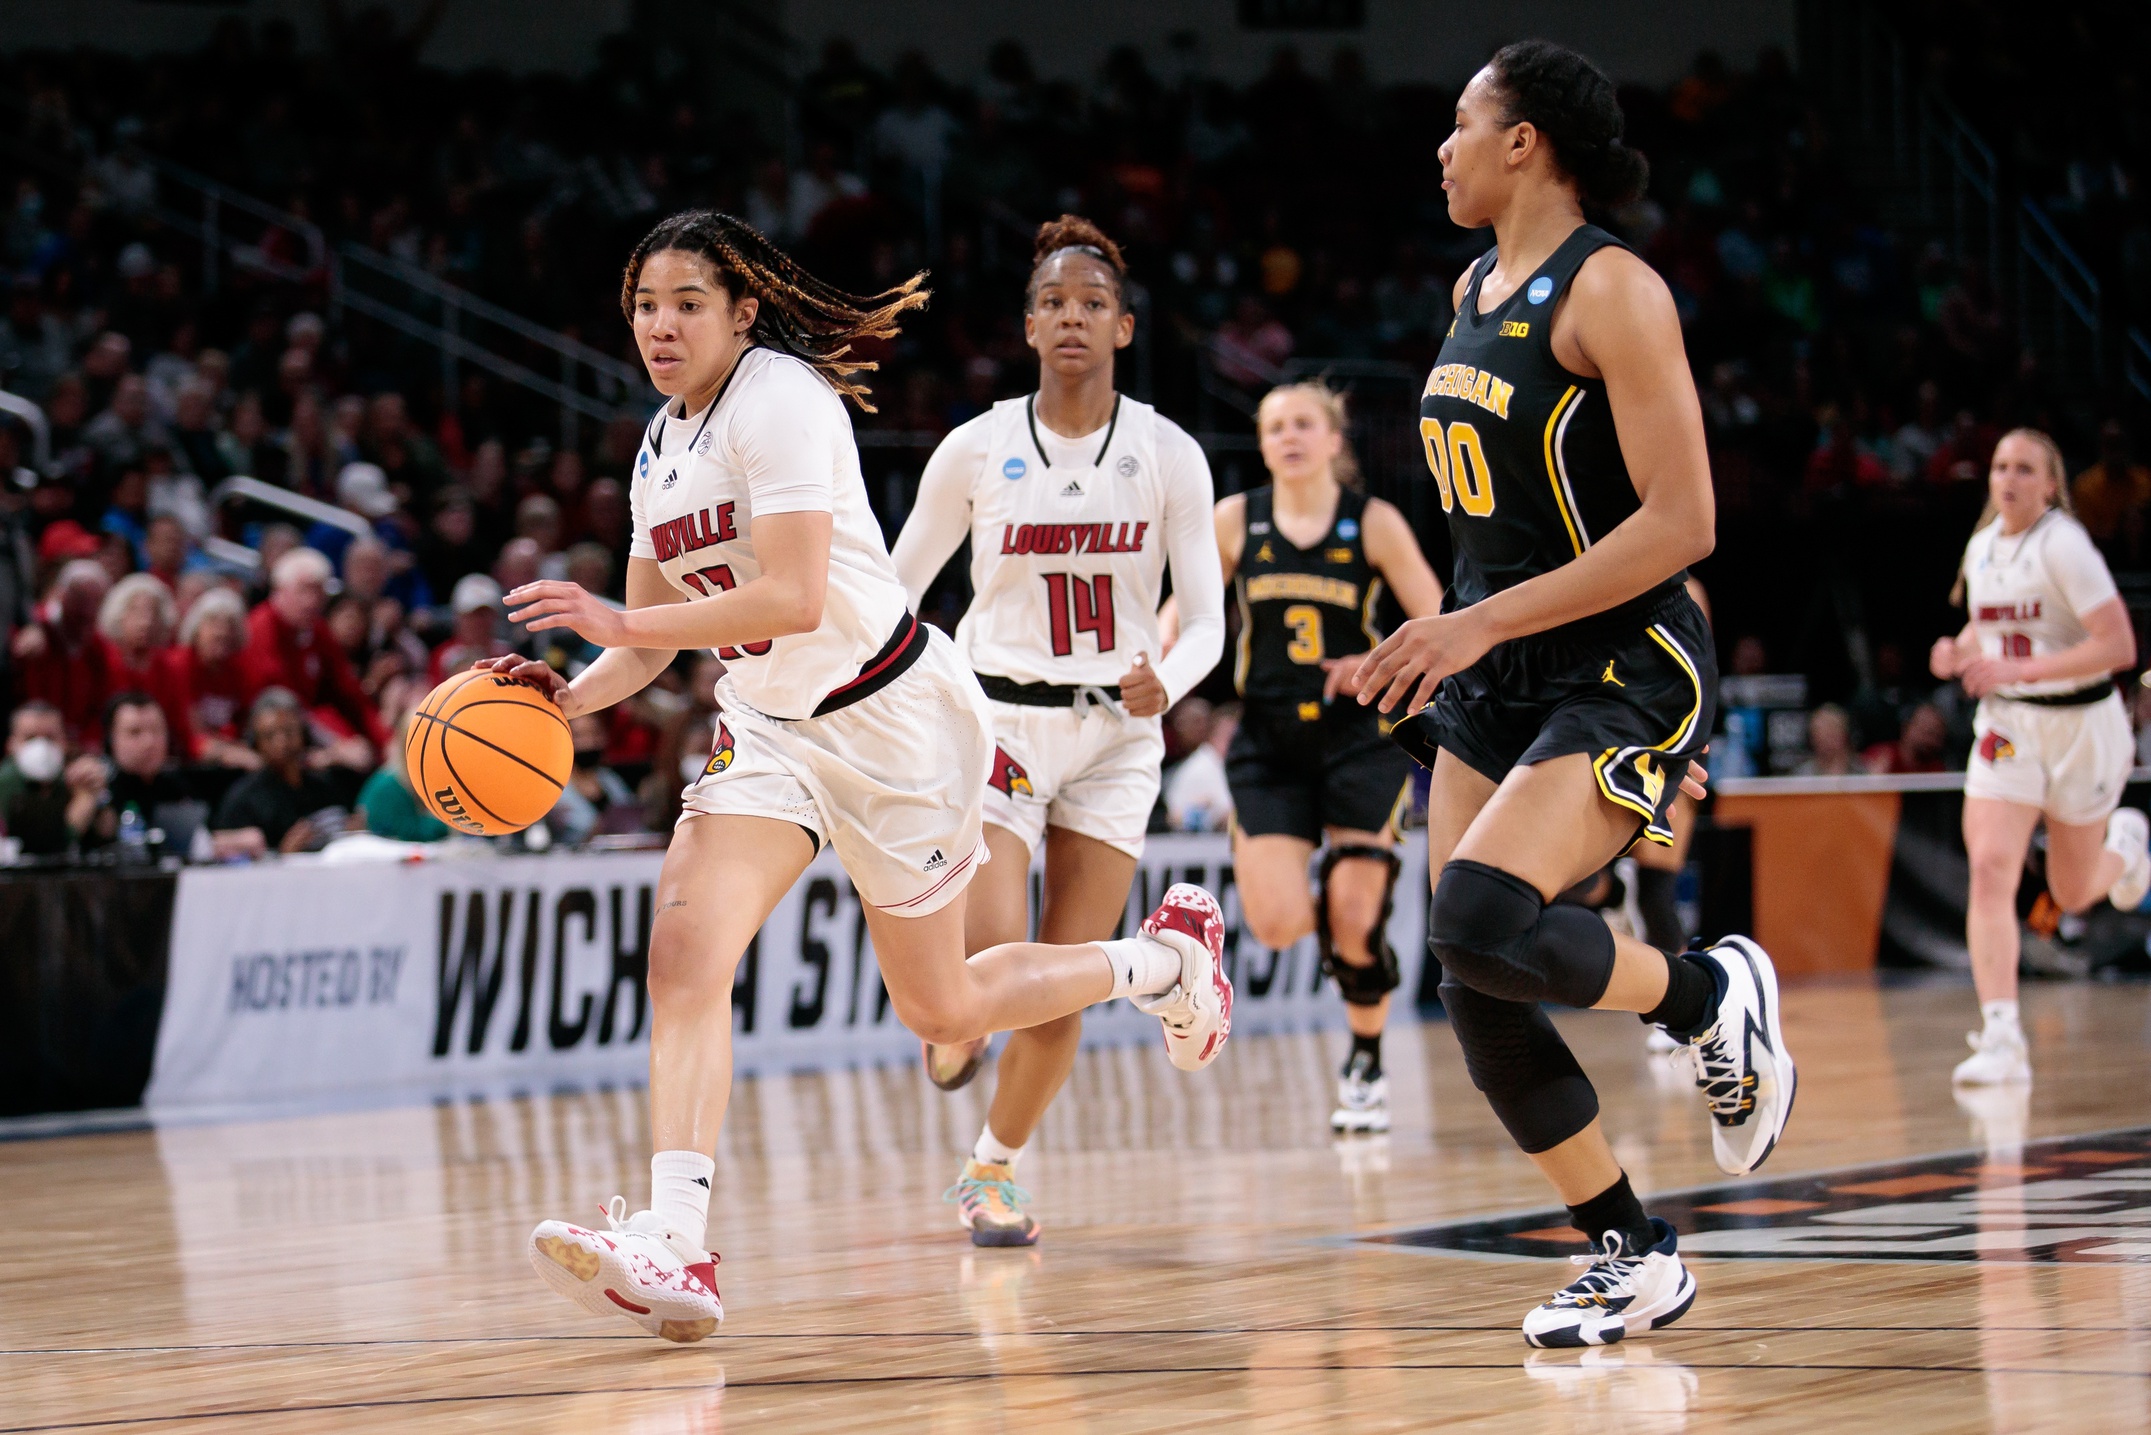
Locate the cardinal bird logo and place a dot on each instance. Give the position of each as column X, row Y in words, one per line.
column 1994, row 747
column 720, row 751
column 1009, row 776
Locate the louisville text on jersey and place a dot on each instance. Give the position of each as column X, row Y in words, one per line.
column 1059, row 538
column 699, row 529
column 2025, row 612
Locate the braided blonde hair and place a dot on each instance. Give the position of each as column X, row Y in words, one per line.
column 799, row 314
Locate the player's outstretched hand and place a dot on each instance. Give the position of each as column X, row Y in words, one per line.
column 1418, row 655
column 1142, row 693
column 538, row 675
column 551, row 603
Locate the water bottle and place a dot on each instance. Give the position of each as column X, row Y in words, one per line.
column 133, row 836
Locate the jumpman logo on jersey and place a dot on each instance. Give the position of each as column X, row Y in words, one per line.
column 1608, row 676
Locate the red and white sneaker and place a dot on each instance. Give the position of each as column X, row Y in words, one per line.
column 639, row 1268
column 1196, row 1011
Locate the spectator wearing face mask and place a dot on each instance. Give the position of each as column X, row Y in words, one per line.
column 46, row 803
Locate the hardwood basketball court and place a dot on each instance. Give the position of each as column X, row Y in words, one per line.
column 1205, row 1263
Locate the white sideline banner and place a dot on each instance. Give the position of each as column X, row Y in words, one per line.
column 306, row 981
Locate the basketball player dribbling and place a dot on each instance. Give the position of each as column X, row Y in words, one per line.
column 842, row 720
column 1309, row 554
column 1074, row 498
column 2046, row 631
column 1573, row 680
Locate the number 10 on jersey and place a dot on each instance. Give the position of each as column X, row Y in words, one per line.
column 1457, row 460
column 1075, row 604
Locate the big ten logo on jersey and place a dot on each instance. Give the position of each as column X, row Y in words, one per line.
column 577, row 958
column 702, row 528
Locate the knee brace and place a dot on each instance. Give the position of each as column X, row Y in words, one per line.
column 1360, row 985
column 1494, row 933
column 1529, row 1075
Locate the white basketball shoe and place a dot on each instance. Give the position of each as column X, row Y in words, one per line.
column 1197, row 1010
column 2128, row 832
column 1741, row 1064
column 1621, row 1293
column 2000, row 1057
column 638, row 1268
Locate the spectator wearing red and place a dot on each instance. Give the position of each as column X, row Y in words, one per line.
column 1839, row 462
column 62, row 660
column 212, row 664
column 136, row 621
column 478, row 623
column 1964, row 455
column 289, row 646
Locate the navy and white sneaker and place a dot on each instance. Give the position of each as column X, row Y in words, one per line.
column 1741, row 1064
column 1621, row 1293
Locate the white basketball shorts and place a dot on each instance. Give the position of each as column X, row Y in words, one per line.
column 2069, row 762
column 1087, row 769
column 895, row 781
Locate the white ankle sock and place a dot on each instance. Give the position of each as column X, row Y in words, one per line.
column 2000, row 1013
column 680, row 1193
column 991, row 1150
column 1142, row 966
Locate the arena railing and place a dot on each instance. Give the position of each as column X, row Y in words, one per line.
column 33, row 418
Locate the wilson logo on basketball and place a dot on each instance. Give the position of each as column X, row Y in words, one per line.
column 1009, row 776
column 1994, row 747
column 720, row 751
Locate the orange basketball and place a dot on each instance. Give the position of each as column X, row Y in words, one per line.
column 487, row 755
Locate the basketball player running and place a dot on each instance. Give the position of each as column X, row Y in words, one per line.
column 2047, row 632
column 1309, row 555
column 1074, row 499
column 842, row 720
column 1573, row 679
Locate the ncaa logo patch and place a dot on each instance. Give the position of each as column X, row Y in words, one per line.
column 1540, row 291
column 1127, row 465
column 1014, row 468
column 1348, row 528
column 642, row 464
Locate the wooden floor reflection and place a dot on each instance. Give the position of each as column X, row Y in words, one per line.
column 364, row 1271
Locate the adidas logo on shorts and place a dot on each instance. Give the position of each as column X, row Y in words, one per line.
column 936, row 862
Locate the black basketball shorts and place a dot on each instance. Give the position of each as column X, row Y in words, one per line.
column 1294, row 775
column 1638, row 692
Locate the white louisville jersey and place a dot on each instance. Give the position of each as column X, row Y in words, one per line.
column 2028, row 592
column 1069, row 540
column 776, row 439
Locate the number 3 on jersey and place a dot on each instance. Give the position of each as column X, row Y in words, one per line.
column 1075, row 604
column 719, row 579
column 1461, row 457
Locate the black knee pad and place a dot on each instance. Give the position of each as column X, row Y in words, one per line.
column 1360, row 985
column 1494, row 933
column 1515, row 1056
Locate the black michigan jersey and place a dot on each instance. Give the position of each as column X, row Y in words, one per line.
column 1523, row 451
column 1301, row 605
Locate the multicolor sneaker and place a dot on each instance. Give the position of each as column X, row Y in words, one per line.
column 990, row 1204
column 639, row 1268
column 1362, row 1100
column 1621, row 1293
column 1741, row 1064
column 1196, row 1010
column 952, row 1067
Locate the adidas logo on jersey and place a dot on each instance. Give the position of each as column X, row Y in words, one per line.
column 670, row 479
column 936, row 862
column 1073, row 490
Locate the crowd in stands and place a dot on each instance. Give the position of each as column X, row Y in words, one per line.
column 1854, row 379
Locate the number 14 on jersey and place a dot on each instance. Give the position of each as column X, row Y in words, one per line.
column 1457, row 459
